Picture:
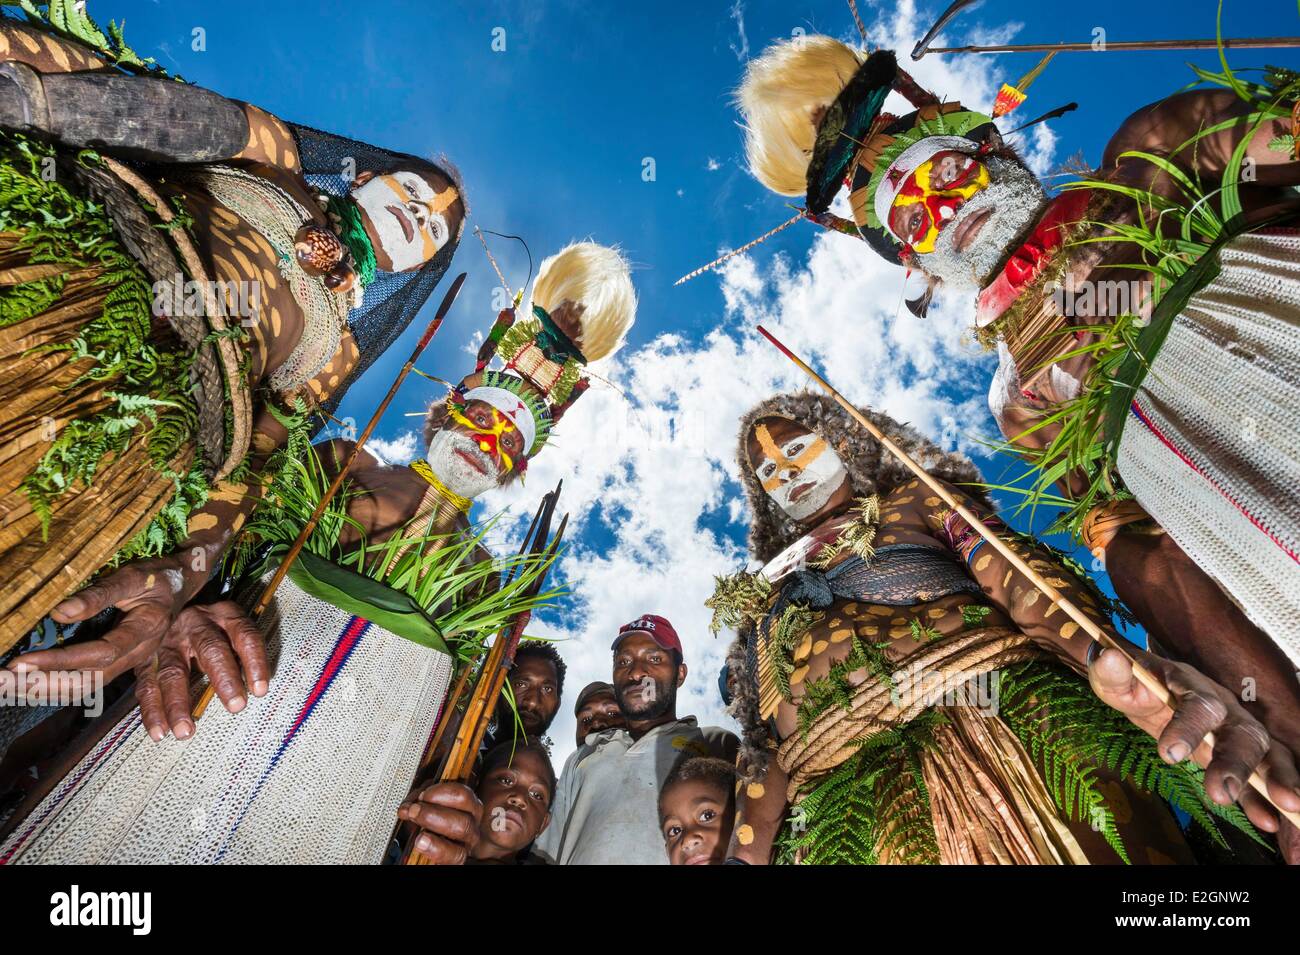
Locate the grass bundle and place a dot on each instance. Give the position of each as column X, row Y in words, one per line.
column 466, row 594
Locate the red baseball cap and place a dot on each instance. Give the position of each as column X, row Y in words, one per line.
column 660, row 630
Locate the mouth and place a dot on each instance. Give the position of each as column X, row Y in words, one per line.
column 704, row 858
column 404, row 220
column 801, row 491
column 969, row 230
column 515, row 817
column 473, row 460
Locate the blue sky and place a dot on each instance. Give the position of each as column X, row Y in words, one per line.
column 552, row 136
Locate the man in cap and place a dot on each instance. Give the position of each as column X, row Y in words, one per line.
column 606, row 805
column 596, row 710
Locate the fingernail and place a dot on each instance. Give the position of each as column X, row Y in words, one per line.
column 237, row 704
column 183, row 730
column 423, row 844
column 72, row 606
column 1233, row 785
column 259, row 688
column 1178, row 752
column 156, row 734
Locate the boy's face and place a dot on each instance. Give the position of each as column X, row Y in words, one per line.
column 516, row 800
column 695, row 818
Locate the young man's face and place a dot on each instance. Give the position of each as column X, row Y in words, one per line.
column 599, row 712
column 516, row 799
column 535, row 685
column 645, row 677
column 696, row 818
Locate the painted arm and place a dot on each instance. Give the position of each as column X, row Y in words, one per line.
column 760, row 812
column 62, row 90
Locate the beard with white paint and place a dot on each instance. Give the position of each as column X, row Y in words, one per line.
column 1014, row 198
column 447, row 456
column 826, row 473
column 399, row 206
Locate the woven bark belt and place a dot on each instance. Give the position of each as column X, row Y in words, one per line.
column 877, row 706
column 215, row 369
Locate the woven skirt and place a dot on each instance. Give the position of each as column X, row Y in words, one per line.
column 53, row 542
column 311, row 773
column 1212, row 446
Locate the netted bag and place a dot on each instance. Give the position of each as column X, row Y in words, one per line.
column 312, row 773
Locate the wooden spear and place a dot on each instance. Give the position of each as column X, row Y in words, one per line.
column 269, row 591
column 923, row 47
column 1144, row 676
column 459, row 764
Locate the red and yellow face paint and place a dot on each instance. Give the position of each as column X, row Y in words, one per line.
column 487, row 439
column 937, row 188
column 774, row 454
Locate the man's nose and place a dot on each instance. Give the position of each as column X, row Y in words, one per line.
column 692, row 841
column 516, row 800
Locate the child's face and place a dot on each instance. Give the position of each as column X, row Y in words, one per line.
column 516, row 800
column 695, row 818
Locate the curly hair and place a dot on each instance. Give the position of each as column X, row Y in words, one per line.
column 871, row 471
column 709, row 769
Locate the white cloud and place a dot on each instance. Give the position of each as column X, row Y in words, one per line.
column 712, row 165
column 399, row 450
column 737, row 14
column 652, row 469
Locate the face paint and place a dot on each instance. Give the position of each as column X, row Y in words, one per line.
column 801, row 475
column 459, row 464
column 930, row 197
column 407, row 215
column 1009, row 206
column 487, row 439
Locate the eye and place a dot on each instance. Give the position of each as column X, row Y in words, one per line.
column 767, row 469
column 672, row 832
column 504, row 780
column 707, row 815
column 794, row 449
column 538, row 795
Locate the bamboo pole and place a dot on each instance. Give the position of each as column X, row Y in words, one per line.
column 459, row 764
column 1121, row 46
column 1144, row 676
column 269, row 591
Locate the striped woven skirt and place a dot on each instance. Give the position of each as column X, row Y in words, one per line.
column 1212, row 447
column 311, row 773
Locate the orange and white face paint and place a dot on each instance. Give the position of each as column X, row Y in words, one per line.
column 800, row 474
column 930, row 196
column 409, row 218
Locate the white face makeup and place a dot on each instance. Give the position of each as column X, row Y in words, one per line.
column 1010, row 205
column 800, row 474
column 407, row 216
column 458, row 463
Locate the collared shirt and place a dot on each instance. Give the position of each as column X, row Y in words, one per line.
column 606, row 806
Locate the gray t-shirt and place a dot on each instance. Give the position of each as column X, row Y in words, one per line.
column 606, row 806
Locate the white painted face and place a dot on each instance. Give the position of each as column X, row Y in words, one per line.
column 800, row 472
column 407, row 215
column 458, row 462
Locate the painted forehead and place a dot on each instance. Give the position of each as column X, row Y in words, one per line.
column 767, row 433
